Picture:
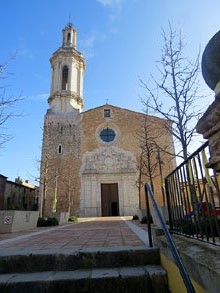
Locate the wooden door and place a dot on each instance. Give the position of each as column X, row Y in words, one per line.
column 109, row 198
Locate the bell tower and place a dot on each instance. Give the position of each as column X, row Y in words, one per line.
column 61, row 147
column 67, row 66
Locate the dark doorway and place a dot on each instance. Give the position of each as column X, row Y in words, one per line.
column 109, row 197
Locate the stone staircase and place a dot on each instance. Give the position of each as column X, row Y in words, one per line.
column 106, row 270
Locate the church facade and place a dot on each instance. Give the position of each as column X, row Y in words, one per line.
column 91, row 161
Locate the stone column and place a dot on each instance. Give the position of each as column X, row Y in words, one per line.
column 209, row 123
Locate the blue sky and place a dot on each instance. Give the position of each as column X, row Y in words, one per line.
column 120, row 40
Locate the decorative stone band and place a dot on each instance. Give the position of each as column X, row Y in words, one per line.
column 63, row 94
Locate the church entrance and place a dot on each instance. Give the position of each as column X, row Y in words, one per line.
column 109, row 198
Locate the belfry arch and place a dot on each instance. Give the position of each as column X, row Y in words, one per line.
column 65, row 73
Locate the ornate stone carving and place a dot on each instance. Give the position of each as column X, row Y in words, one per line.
column 109, row 159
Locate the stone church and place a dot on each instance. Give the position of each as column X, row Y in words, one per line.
column 91, row 161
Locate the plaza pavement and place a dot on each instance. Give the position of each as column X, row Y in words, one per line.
column 87, row 233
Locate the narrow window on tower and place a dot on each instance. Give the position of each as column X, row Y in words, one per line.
column 60, row 149
column 65, row 78
column 68, row 37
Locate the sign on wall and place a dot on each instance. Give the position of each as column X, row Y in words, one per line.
column 8, row 220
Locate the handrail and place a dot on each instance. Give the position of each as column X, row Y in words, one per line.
column 175, row 253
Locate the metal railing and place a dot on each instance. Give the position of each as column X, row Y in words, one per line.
column 193, row 198
column 170, row 241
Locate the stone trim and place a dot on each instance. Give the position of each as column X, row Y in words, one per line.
column 107, row 125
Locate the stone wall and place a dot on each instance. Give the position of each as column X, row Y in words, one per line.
column 76, row 161
column 60, row 164
column 3, row 180
column 14, row 221
column 128, row 125
column 18, row 195
column 200, row 259
column 61, row 217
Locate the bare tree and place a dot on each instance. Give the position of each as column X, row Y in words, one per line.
column 147, row 163
column 43, row 181
column 174, row 94
column 6, row 102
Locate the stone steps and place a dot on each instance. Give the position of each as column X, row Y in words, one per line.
column 104, row 270
column 123, row 279
column 72, row 260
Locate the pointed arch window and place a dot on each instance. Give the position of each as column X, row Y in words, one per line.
column 65, row 78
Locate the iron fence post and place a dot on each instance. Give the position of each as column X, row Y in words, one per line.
column 168, row 204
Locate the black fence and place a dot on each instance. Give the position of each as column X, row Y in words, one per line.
column 193, row 198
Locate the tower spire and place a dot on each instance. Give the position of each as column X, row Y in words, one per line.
column 68, row 67
column 69, row 36
column 70, row 23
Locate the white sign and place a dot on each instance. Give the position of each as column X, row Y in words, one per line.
column 8, row 220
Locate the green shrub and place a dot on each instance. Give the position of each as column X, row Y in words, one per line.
column 46, row 222
column 73, row 219
column 144, row 220
column 52, row 222
column 135, row 217
column 41, row 222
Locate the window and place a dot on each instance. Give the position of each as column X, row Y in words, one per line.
column 65, row 78
column 107, row 135
column 60, row 149
column 8, row 202
column 68, row 37
column 107, row 113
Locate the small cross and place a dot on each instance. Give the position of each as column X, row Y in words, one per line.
column 69, row 19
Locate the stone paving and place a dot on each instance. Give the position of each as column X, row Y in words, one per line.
column 87, row 233
column 92, row 255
